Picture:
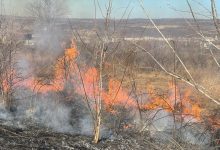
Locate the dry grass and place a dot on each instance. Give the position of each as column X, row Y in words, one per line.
column 160, row 81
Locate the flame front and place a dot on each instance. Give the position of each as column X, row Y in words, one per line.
column 86, row 82
column 176, row 102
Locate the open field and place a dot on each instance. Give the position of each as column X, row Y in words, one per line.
column 108, row 83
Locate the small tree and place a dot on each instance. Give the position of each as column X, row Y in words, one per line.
column 9, row 45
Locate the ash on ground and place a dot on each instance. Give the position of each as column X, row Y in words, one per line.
column 32, row 136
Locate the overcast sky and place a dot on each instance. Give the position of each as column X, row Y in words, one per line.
column 85, row 8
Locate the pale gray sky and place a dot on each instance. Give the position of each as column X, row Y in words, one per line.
column 85, row 8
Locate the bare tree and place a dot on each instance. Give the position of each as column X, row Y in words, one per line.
column 46, row 12
column 9, row 45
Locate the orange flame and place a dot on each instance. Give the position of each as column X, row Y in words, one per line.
column 116, row 96
column 90, row 83
column 8, row 81
column 174, row 103
column 63, row 70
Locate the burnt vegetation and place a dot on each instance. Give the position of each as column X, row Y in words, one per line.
column 108, row 83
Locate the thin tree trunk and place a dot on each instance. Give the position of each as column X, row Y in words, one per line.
column 99, row 100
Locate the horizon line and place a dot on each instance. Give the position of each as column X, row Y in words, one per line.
column 90, row 18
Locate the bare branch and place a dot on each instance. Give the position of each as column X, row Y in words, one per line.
column 195, row 85
column 166, row 40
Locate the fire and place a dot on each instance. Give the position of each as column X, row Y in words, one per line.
column 63, row 70
column 5, row 86
column 176, row 102
column 8, row 81
column 71, row 53
column 41, row 87
column 116, row 96
column 65, row 67
column 89, row 85
column 127, row 126
column 86, row 82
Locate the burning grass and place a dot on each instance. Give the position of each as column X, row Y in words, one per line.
column 175, row 105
